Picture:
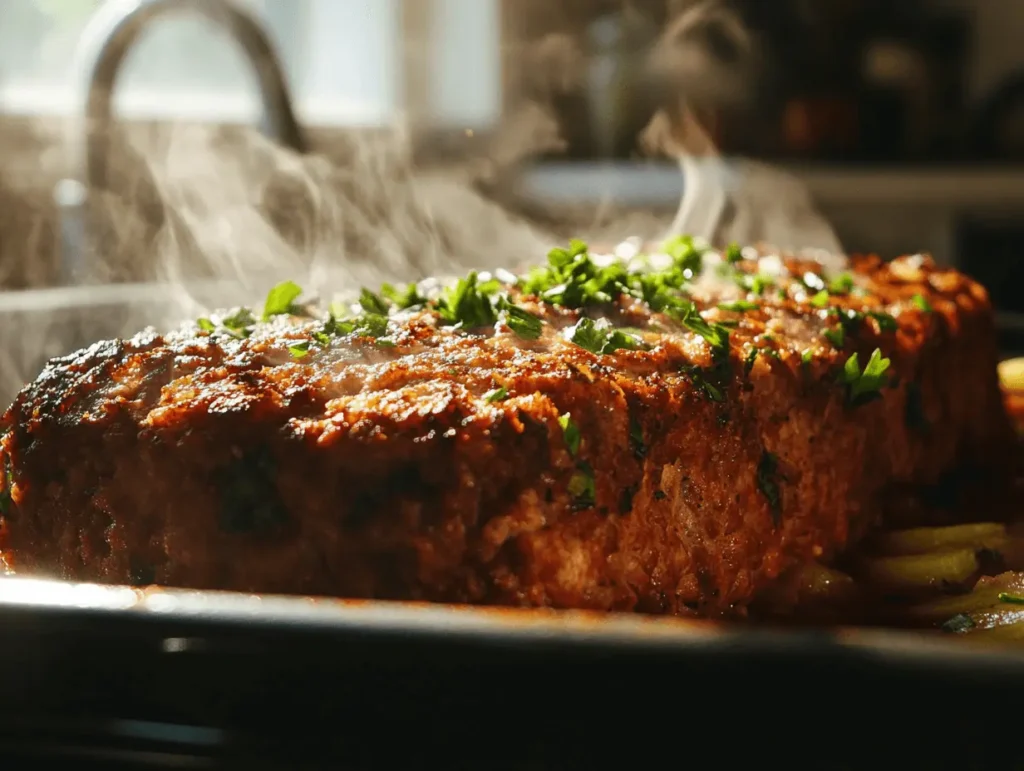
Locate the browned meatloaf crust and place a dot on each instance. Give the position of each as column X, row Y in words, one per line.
column 399, row 471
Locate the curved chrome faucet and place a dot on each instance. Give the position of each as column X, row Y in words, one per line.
column 105, row 42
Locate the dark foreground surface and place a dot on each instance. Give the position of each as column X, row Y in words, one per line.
column 92, row 678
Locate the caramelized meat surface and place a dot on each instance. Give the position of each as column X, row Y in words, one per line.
column 479, row 465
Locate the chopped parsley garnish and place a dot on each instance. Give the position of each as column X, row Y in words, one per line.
column 820, row 300
column 660, row 290
column 499, row 394
column 239, row 320
column 280, row 299
column 371, row 325
column 922, row 303
column 581, row 484
column 748, row 362
column 700, row 381
column 523, row 323
column 1013, row 599
column 686, row 257
column 850, row 320
column 768, row 484
column 756, row 283
column 582, row 487
column 733, row 254
column 573, row 280
column 959, row 624
column 836, row 336
column 886, row 322
column 562, row 258
column 807, row 357
column 407, row 297
column 716, row 335
column 367, row 325
column 587, row 335
column 636, row 439
column 600, row 338
column 864, row 387
column 620, row 340
column 372, row 303
column 571, row 433
column 298, row 350
column 471, row 305
column 739, row 306
column 239, row 324
column 466, row 306
column 841, row 284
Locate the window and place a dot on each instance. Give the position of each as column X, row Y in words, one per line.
column 348, row 62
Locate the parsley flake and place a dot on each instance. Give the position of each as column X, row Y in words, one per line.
column 582, row 486
column 841, row 284
column 298, row 350
column 600, row 338
column 739, row 306
column 768, row 484
column 685, row 255
column 886, row 322
column 922, row 303
column 466, row 306
column 239, row 323
column 748, row 362
column 716, row 335
column 820, row 300
column 756, row 283
column 372, row 303
column 573, row 280
column 836, row 336
column 499, row 394
column 523, row 323
column 587, row 335
column 366, row 325
column 571, row 432
column 407, row 297
column 864, row 387
column 701, row 383
column 1013, row 599
column 280, row 299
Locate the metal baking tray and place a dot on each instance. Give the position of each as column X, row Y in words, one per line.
column 216, row 680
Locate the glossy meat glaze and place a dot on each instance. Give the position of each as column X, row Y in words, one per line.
column 479, row 465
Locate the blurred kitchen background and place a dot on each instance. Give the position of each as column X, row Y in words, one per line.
column 430, row 132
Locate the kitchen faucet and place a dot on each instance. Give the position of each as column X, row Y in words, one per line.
column 102, row 49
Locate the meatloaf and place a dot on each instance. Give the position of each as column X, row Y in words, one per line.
column 669, row 432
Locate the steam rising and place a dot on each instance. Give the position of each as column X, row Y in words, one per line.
column 210, row 218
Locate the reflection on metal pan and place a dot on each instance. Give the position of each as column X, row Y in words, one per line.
column 508, row 626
